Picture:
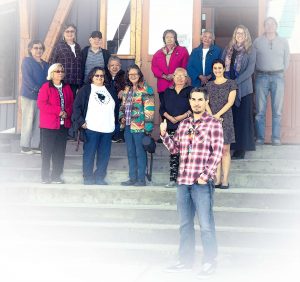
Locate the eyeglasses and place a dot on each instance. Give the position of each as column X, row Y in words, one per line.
column 180, row 76
column 59, row 71
column 38, row 48
column 69, row 31
column 133, row 74
column 99, row 75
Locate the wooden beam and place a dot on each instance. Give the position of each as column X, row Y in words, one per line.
column 262, row 13
column 133, row 14
column 138, row 39
column 197, row 27
column 60, row 16
column 25, row 37
column 103, row 22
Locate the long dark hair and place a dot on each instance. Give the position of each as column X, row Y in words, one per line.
column 93, row 72
column 141, row 76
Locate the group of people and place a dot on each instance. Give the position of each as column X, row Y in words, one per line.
column 84, row 92
column 206, row 104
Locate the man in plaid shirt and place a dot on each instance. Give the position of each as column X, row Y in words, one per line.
column 199, row 141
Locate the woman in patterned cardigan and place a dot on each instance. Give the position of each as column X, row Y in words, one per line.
column 136, row 118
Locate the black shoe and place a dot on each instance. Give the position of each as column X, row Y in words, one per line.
column 224, row 186
column 207, row 270
column 129, row 182
column 159, row 140
column 218, row 185
column 238, row 155
column 140, row 183
column 178, row 267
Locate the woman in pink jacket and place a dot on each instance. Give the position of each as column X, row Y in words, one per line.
column 55, row 101
column 167, row 59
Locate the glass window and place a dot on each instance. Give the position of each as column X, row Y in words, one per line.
column 172, row 14
column 287, row 15
column 118, row 27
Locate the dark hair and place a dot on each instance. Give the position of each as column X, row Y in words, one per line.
column 93, row 72
column 134, row 67
column 67, row 26
column 201, row 90
column 33, row 42
column 272, row 19
column 173, row 32
column 218, row 61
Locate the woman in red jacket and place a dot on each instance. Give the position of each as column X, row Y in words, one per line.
column 55, row 101
column 167, row 59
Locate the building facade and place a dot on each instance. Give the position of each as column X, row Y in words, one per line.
column 133, row 30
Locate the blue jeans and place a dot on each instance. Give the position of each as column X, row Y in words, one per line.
column 197, row 199
column 100, row 143
column 137, row 157
column 265, row 84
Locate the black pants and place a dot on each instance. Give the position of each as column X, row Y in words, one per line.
column 54, row 143
column 174, row 160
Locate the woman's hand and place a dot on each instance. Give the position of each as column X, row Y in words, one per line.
column 84, row 126
column 163, row 128
column 216, row 116
column 63, row 114
column 120, row 94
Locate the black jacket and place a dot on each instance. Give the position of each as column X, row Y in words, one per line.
column 80, row 106
column 84, row 53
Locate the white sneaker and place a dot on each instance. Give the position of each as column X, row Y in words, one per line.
column 27, row 151
column 207, row 270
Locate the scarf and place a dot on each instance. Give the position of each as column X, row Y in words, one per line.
column 168, row 53
column 238, row 59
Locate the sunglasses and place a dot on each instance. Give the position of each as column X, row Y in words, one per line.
column 99, row 75
column 59, row 71
column 38, row 48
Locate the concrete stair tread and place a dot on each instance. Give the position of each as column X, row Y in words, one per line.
column 117, row 187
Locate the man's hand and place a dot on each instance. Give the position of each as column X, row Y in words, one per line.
column 163, row 128
column 84, row 126
column 200, row 181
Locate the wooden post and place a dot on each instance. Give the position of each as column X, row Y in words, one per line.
column 103, row 21
column 197, row 20
column 262, row 13
column 25, row 37
column 138, row 36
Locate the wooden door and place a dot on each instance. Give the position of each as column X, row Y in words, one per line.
column 152, row 34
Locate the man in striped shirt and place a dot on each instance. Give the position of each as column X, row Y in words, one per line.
column 199, row 141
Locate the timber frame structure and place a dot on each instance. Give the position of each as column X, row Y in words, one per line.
column 29, row 22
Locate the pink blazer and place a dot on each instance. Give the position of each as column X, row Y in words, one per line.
column 179, row 58
column 49, row 104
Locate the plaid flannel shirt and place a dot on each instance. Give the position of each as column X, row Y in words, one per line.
column 62, row 53
column 200, row 145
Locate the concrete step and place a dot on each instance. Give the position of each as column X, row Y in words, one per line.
column 144, row 233
column 238, row 179
column 159, row 164
column 262, row 152
column 160, row 214
column 76, row 194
